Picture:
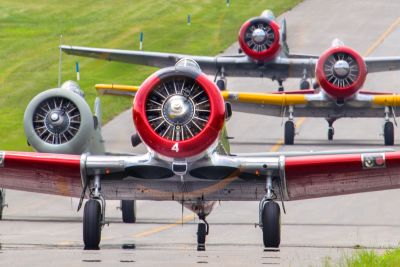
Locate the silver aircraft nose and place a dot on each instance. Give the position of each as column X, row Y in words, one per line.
column 258, row 35
column 341, row 68
column 178, row 109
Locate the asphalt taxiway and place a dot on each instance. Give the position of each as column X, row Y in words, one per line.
column 42, row 230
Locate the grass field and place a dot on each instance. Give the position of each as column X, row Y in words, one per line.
column 29, row 34
column 369, row 258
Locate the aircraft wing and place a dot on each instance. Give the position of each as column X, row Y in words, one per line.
column 307, row 103
column 208, row 64
column 234, row 65
column 379, row 64
column 217, row 178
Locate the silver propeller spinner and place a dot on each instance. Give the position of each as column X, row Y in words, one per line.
column 259, row 36
column 341, row 69
column 178, row 108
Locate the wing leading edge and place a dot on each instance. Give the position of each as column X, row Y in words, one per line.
column 301, row 177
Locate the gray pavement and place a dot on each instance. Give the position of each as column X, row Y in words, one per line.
column 41, row 229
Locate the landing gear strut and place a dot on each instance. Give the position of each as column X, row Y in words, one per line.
column 331, row 130
column 94, row 217
column 221, row 81
column 202, row 232
column 388, row 129
column 289, row 128
column 270, row 217
column 304, row 84
column 2, row 202
column 202, row 209
column 280, row 88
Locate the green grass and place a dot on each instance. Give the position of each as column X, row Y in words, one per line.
column 29, row 38
column 369, row 258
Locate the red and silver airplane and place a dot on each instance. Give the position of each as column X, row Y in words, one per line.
column 340, row 74
column 180, row 116
column 265, row 54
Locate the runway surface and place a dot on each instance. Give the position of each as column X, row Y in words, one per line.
column 43, row 230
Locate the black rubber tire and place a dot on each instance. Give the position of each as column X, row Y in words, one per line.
column 201, row 233
column 271, row 220
column 289, row 132
column 304, row 85
column 388, row 133
column 2, row 200
column 128, row 208
column 221, row 84
column 92, row 225
column 330, row 134
column 135, row 140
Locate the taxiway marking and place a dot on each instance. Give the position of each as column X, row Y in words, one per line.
column 381, row 38
column 279, row 144
column 155, row 230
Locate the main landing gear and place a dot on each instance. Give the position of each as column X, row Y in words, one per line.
column 202, row 209
column 289, row 130
column 2, row 201
column 128, row 208
column 388, row 129
column 270, row 217
column 304, row 84
column 331, row 130
column 221, row 81
column 202, row 232
column 280, row 87
column 94, row 217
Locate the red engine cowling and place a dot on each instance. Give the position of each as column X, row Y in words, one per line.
column 259, row 38
column 341, row 72
column 178, row 112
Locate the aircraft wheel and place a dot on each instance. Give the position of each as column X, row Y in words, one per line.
column 92, row 225
column 388, row 133
column 221, row 84
column 201, row 236
column 331, row 132
column 271, row 223
column 135, row 140
column 289, row 133
column 128, row 208
column 304, row 85
column 2, row 202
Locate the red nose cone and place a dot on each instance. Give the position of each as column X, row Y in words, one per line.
column 259, row 38
column 341, row 72
column 178, row 113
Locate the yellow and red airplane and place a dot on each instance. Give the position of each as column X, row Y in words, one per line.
column 340, row 73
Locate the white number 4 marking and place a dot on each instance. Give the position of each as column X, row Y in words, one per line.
column 175, row 147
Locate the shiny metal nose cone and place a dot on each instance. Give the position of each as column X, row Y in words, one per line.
column 258, row 36
column 341, row 68
column 178, row 109
column 54, row 117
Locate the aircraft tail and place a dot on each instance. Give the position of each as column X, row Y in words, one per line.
column 284, row 37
